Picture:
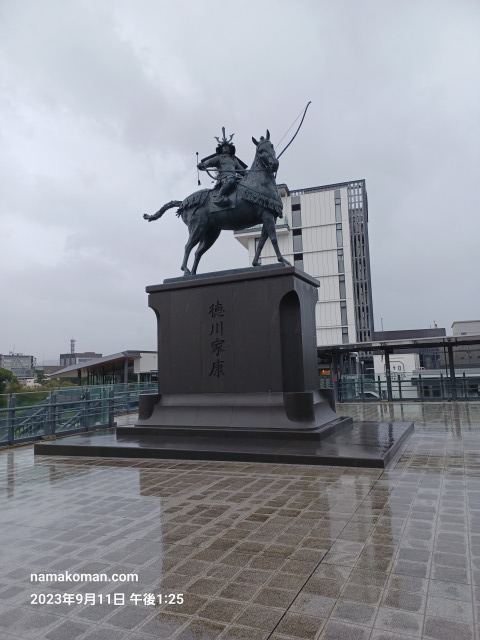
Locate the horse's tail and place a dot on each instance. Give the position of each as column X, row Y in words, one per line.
column 166, row 207
column 160, row 212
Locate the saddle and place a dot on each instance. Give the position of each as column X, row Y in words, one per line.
column 222, row 203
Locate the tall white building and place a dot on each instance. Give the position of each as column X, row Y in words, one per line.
column 324, row 232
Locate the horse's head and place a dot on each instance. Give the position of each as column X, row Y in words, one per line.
column 266, row 153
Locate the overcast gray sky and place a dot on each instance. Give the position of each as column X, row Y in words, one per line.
column 104, row 103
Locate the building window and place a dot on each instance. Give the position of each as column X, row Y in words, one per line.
column 343, row 292
column 341, row 263
column 298, row 261
column 339, row 236
column 296, row 217
column 338, row 210
column 297, row 241
column 343, row 313
column 344, row 335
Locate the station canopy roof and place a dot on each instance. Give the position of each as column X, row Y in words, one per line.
column 97, row 364
column 410, row 344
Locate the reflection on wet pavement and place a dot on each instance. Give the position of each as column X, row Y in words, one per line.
column 257, row 550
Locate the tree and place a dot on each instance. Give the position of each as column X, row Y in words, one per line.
column 6, row 377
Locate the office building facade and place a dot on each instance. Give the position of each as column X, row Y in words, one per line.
column 324, row 232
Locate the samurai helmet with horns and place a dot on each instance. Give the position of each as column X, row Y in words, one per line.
column 225, row 143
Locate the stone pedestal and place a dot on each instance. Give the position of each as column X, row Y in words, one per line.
column 237, row 351
column 238, row 381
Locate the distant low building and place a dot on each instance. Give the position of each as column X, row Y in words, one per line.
column 48, row 369
column 22, row 366
column 466, row 328
column 429, row 357
column 67, row 359
column 402, row 366
column 466, row 356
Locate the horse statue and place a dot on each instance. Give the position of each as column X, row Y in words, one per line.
column 257, row 202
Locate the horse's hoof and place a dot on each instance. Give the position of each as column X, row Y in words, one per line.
column 186, row 272
column 255, row 264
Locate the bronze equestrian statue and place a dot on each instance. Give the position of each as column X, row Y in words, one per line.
column 231, row 204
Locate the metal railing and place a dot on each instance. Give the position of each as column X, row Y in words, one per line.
column 25, row 417
column 413, row 386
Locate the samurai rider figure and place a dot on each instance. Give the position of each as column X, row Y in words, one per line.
column 229, row 170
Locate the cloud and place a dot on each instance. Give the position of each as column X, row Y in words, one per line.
column 104, row 103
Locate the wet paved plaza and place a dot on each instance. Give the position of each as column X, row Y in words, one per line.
column 249, row 551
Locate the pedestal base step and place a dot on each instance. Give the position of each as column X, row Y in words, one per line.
column 360, row 444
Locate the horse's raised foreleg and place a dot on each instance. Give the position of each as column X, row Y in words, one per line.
column 209, row 238
column 269, row 225
column 260, row 245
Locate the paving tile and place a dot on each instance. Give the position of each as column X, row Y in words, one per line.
column 235, row 632
column 258, row 617
column 223, row 571
column 105, row 633
column 354, row 612
column 332, row 572
column 417, row 569
column 399, row 621
column 286, row 581
column 205, row 586
column 204, row 629
column 379, row 634
column 300, row 626
column 323, row 587
column 414, row 555
column 335, row 630
column 364, row 576
column 266, row 562
column 254, row 576
column 27, row 623
column 274, row 597
column 319, row 606
column 66, row 630
column 451, row 590
column 404, row 600
column 408, row 583
column 219, row 610
column 451, row 609
column 239, row 592
column 441, row 629
column 362, row 593
column 451, row 574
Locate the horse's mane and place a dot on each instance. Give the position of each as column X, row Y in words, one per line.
column 262, row 200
